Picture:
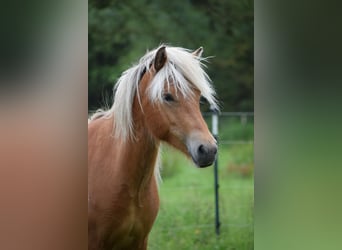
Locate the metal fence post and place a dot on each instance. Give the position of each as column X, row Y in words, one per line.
column 215, row 134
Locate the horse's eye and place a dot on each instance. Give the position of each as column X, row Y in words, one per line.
column 168, row 97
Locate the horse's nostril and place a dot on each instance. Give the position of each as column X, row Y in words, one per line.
column 201, row 149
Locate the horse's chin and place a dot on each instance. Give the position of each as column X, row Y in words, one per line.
column 201, row 164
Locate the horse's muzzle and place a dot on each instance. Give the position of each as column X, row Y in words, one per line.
column 203, row 154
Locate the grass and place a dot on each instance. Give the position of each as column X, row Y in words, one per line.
column 186, row 216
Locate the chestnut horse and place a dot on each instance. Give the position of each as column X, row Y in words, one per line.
column 155, row 100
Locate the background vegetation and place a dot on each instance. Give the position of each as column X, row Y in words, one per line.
column 120, row 32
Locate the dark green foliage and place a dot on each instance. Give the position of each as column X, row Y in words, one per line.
column 120, row 32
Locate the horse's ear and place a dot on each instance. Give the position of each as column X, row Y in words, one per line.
column 160, row 59
column 198, row 52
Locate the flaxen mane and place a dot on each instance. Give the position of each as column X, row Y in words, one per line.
column 181, row 69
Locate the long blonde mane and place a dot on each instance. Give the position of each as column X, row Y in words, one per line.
column 182, row 68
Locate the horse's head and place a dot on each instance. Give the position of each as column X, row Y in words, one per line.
column 170, row 103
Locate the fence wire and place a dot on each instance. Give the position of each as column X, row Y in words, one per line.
column 191, row 227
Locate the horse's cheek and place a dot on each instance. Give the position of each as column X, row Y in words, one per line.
column 160, row 129
column 158, row 125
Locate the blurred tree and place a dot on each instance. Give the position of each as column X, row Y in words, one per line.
column 120, row 32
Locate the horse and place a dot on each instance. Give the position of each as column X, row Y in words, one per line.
column 156, row 100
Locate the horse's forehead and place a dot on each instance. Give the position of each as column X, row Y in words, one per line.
column 145, row 79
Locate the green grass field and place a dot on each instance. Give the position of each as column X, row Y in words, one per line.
column 187, row 213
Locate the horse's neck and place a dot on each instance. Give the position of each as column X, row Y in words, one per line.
column 140, row 155
column 122, row 165
column 143, row 152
